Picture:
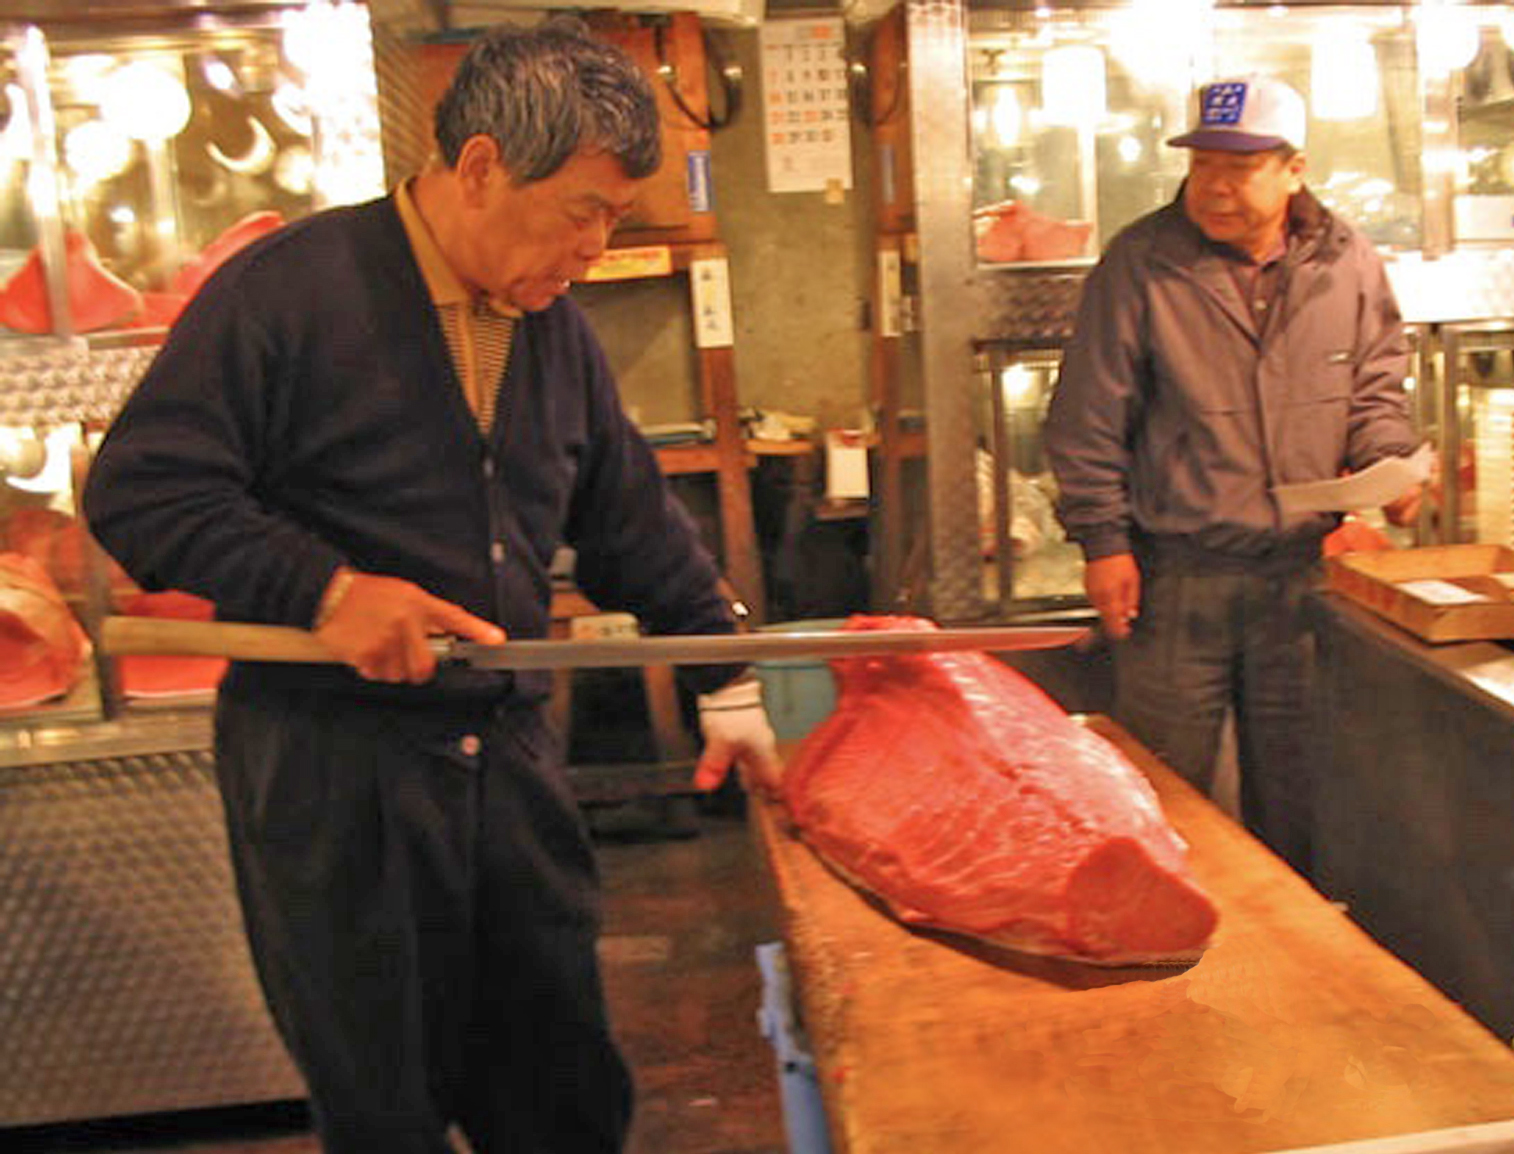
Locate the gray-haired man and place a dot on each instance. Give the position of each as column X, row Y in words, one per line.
column 382, row 422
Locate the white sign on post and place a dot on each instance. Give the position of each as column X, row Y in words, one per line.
column 805, row 109
column 710, row 284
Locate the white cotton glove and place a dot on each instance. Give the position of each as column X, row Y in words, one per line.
column 736, row 729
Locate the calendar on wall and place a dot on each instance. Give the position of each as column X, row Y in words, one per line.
column 805, row 109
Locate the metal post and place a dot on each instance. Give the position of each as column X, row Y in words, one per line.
column 30, row 48
column 937, row 37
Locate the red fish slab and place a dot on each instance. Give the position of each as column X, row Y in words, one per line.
column 42, row 648
column 187, row 280
column 97, row 298
column 955, row 790
column 145, row 676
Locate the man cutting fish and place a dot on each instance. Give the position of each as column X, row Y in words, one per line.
column 381, row 422
column 1241, row 338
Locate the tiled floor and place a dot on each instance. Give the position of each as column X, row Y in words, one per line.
column 685, row 906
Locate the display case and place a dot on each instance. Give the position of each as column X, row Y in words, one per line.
column 1477, row 443
column 140, row 146
column 135, row 157
column 1072, row 107
column 134, row 162
column 47, row 591
column 1029, row 564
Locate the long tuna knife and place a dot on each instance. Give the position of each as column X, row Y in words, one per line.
column 155, row 635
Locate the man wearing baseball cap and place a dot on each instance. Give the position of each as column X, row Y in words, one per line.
column 1240, row 338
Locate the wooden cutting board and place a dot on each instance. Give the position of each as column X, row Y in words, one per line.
column 1294, row 1030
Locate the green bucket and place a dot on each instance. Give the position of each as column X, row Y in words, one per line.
column 799, row 692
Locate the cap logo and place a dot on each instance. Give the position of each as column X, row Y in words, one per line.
column 1223, row 104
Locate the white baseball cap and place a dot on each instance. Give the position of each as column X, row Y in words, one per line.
column 1244, row 114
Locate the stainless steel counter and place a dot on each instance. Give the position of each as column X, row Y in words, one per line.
column 1484, row 669
column 125, row 984
column 135, row 734
column 1415, row 805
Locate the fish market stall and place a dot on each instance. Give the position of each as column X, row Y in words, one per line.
column 1294, row 1030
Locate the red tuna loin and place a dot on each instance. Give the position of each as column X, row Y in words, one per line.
column 955, row 790
column 187, row 280
column 60, row 545
column 97, row 298
column 42, row 648
column 161, row 676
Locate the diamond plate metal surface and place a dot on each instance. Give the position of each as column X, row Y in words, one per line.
column 125, row 983
column 937, row 40
column 56, row 383
column 1028, row 308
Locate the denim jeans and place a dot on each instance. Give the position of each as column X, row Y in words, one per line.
column 1207, row 643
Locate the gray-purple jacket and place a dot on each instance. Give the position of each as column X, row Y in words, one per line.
column 1175, row 415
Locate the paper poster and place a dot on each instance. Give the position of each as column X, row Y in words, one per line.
column 805, row 108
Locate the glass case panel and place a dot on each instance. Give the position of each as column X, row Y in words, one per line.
column 166, row 147
column 1028, row 562
column 22, row 60
column 1067, row 140
column 169, row 150
column 1071, row 111
column 1473, row 47
column 1478, row 457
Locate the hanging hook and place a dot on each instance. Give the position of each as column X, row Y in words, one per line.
column 860, row 87
column 728, row 71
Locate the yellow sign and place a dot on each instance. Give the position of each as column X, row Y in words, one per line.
column 630, row 263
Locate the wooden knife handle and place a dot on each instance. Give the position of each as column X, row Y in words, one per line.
column 160, row 635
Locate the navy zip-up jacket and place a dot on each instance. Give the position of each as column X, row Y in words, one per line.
column 304, row 414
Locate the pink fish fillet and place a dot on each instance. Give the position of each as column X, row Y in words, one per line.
column 42, row 648
column 954, row 789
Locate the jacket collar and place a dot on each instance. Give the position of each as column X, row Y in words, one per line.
column 1315, row 237
column 1314, row 232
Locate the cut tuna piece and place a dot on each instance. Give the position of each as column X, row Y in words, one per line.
column 60, row 545
column 1016, row 232
column 160, row 310
column 96, row 297
column 42, row 648
column 955, row 790
column 144, row 676
column 187, row 280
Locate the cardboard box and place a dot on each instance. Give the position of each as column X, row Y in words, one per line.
column 1439, row 593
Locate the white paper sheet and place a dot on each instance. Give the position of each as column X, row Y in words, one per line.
column 846, row 476
column 1438, row 592
column 1372, row 488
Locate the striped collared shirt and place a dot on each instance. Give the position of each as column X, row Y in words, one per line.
column 478, row 330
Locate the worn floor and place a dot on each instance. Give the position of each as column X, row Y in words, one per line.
column 685, row 907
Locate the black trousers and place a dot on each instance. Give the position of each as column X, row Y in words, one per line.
column 1209, row 643
column 421, row 901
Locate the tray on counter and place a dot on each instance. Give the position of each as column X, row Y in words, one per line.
column 1439, row 593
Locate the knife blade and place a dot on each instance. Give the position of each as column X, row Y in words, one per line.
column 155, row 635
